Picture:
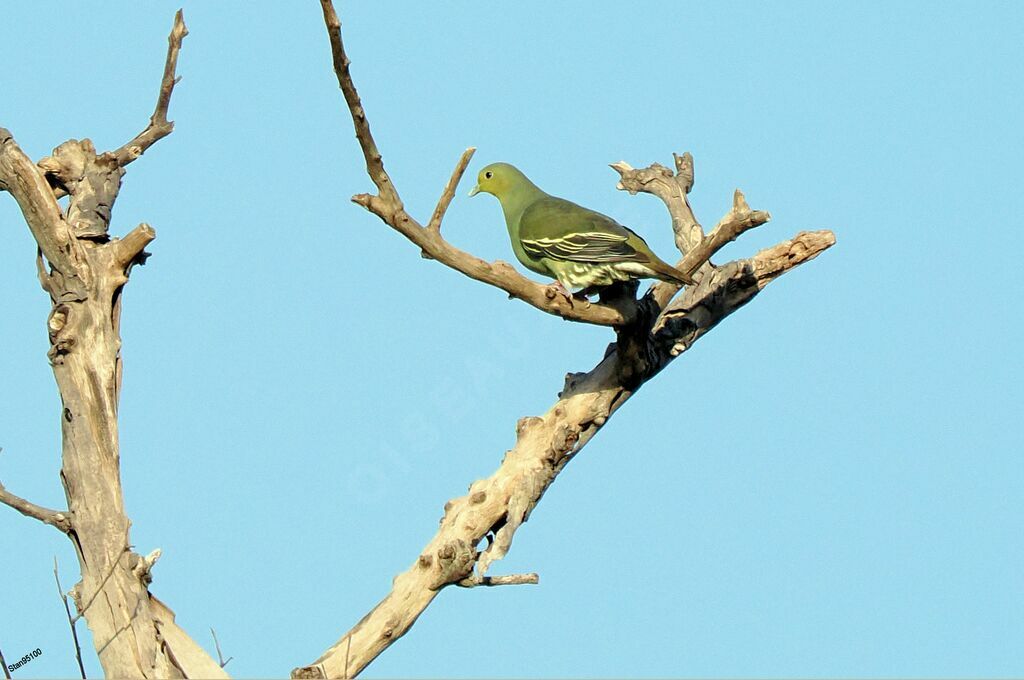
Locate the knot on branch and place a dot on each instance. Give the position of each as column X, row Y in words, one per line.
column 684, row 170
column 571, row 380
column 454, row 562
column 524, row 425
column 309, row 672
column 75, row 593
column 142, row 566
column 61, row 341
column 523, row 497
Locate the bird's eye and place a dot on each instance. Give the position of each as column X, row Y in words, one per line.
column 488, row 174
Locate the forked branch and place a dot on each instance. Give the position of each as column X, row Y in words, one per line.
column 477, row 529
column 387, row 205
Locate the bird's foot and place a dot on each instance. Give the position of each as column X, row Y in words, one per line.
column 555, row 289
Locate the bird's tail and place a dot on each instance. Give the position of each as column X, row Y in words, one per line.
column 669, row 274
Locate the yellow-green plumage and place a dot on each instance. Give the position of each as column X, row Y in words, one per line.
column 579, row 247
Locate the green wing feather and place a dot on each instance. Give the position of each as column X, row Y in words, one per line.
column 561, row 230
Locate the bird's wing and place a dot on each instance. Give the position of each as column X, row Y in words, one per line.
column 561, row 230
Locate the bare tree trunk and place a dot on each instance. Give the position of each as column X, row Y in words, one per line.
column 650, row 333
column 84, row 271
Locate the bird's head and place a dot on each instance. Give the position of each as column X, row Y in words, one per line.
column 499, row 179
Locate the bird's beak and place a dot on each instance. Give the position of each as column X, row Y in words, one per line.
column 475, row 190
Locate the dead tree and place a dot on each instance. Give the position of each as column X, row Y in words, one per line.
column 84, row 270
column 477, row 529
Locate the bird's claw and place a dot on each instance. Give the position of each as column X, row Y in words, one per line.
column 555, row 289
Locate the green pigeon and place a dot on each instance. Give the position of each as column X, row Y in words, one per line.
column 578, row 247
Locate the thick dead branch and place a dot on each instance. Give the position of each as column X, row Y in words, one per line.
column 477, row 529
column 25, row 182
column 500, row 503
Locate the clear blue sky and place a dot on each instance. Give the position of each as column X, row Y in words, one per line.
column 830, row 484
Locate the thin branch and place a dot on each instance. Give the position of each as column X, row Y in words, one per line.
column 509, row 580
column 449, row 190
column 374, row 162
column 348, row 652
column 3, row 662
column 159, row 127
column 740, row 219
column 54, row 518
column 388, row 207
column 502, row 275
column 220, row 657
column 127, row 626
column 71, row 621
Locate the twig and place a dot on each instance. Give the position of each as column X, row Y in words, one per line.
column 128, row 624
column 348, row 650
column 220, row 657
column 54, row 518
column 71, row 621
column 449, row 190
column 159, row 127
column 3, row 662
column 509, row 580
column 374, row 162
column 738, row 220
